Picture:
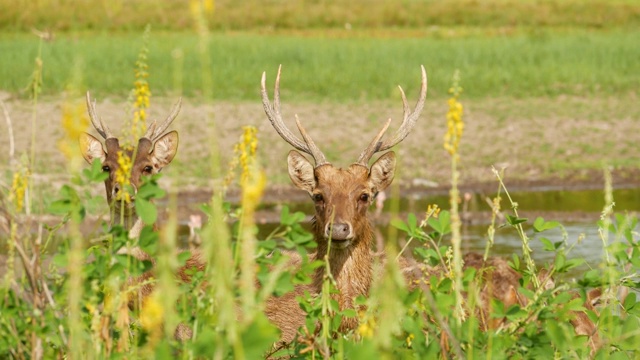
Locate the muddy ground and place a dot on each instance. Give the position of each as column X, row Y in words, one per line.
column 543, row 143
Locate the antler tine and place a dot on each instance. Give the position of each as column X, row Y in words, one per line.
column 100, row 127
column 374, row 146
column 409, row 118
column 275, row 117
column 154, row 132
column 150, row 130
column 314, row 151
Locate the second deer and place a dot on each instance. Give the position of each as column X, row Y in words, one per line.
column 154, row 150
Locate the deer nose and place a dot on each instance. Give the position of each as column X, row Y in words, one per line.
column 339, row 231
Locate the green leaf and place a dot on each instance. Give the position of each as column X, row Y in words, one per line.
column 547, row 245
column 95, row 173
column 539, row 225
column 412, row 221
column 260, row 334
column 399, row 224
column 442, row 225
column 630, row 301
column 146, row 210
column 150, row 190
column 148, row 238
column 560, row 261
column 514, row 220
column 163, row 351
column 183, row 257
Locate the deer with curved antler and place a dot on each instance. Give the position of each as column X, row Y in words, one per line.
column 344, row 233
column 342, row 197
column 154, row 151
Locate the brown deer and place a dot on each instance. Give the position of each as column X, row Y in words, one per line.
column 342, row 197
column 345, row 235
column 154, row 151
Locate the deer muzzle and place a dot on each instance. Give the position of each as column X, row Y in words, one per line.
column 117, row 193
column 340, row 234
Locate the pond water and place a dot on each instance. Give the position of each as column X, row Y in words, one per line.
column 577, row 210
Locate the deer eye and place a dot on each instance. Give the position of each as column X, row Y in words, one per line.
column 364, row 197
column 318, row 197
column 147, row 169
column 106, row 168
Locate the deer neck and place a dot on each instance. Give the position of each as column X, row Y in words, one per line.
column 351, row 268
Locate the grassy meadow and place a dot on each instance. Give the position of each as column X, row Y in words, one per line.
column 549, row 87
column 527, row 64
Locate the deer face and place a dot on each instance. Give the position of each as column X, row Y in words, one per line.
column 341, row 196
column 149, row 159
column 155, row 150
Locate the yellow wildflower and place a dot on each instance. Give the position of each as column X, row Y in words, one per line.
column 123, row 175
column 455, row 125
column 74, row 123
column 19, row 187
column 152, row 313
column 141, row 93
column 409, row 340
column 432, row 210
column 201, row 7
column 248, row 149
column 245, row 154
column 252, row 190
column 367, row 327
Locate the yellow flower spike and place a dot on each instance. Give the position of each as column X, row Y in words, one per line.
column 433, row 211
column 152, row 314
column 141, row 93
column 366, row 328
column 123, row 176
column 455, row 125
column 19, row 187
column 74, row 123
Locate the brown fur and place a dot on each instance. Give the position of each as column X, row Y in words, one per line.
column 341, row 202
column 149, row 159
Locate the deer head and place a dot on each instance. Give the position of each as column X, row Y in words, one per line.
column 341, row 196
column 153, row 152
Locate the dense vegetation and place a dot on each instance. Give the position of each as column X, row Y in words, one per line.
column 66, row 291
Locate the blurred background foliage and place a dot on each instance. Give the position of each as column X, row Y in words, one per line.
column 69, row 15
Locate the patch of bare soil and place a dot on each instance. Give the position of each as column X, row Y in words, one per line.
column 543, row 143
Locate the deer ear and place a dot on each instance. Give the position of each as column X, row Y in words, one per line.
column 301, row 171
column 381, row 173
column 164, row 149
column 91, row 148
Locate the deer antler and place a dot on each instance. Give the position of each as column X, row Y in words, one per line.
column 102, row 129
column 273, row 113
column 409, row 120
column 154, row 131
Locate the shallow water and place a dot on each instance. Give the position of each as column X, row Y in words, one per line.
column 577, row 210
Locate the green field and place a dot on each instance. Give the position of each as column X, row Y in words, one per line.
column 582, row 63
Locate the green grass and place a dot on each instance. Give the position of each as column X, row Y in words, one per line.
column 308, row 14
column 338, row 69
